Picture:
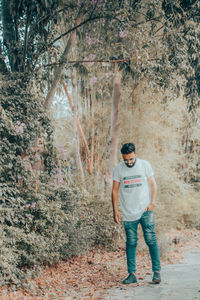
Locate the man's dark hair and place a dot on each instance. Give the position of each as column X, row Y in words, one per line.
column 128, row 148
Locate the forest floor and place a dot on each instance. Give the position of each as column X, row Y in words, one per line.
column 99, row 273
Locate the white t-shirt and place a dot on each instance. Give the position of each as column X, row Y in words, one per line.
column 134, row 192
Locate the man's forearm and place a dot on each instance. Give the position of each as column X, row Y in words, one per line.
column 114, row 201
column 153, row 194
column 153, row 190
column 115, row 196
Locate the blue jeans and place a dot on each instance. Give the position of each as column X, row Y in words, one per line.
column 147, row 222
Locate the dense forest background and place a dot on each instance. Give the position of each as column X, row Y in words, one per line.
column 79, row 79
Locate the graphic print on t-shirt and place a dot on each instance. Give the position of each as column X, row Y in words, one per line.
column 132, row 181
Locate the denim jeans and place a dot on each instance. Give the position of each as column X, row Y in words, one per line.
column 147, row 222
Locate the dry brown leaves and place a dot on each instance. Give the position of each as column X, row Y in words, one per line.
column 89, row 276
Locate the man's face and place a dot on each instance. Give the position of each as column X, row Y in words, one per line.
column 129, row 159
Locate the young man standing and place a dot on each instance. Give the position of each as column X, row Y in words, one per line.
column 134, row 184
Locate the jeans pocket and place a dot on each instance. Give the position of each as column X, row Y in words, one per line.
column 148, row 218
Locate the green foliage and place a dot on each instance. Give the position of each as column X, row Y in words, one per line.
column 22, row 45
column 23, row 120
column 182, row 36
column 161, row 38
column 41, row 225
column 46, row 227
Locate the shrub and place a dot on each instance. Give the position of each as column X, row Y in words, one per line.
column 49, row 226
column 39, row 221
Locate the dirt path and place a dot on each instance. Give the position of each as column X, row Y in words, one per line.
column 179, row 282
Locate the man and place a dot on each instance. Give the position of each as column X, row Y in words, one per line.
column 134, row 184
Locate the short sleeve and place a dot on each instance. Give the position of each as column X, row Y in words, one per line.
column 148, row 169
column 116, row 176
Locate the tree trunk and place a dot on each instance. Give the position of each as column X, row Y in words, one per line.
column 92, row 131
column 60, row 69
column 78, row 156
column 76, row 129
column 114, row 131
column 26, row 40
column 8, row 31
column 3, row 67
column 10, row 37
column 79, row 128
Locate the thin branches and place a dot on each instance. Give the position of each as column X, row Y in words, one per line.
column 25, row 40
column 98, row 61
column 75, row 27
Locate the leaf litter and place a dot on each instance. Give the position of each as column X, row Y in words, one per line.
column 89, row 276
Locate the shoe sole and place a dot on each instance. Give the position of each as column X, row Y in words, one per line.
column 129, row 282
column 156, row 281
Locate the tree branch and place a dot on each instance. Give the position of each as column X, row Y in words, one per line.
column 25, row 40
column 76, row 27
column 95, row 61
column 59, row 70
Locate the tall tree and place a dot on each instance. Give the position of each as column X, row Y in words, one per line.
column 114, row 130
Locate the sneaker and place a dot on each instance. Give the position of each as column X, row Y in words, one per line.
column 130, row 279
column 156, row 277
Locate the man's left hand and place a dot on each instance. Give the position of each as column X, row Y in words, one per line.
column 150, row 207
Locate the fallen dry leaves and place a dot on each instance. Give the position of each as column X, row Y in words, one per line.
column 89, row 276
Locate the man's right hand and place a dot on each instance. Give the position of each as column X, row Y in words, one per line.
column 116, row 217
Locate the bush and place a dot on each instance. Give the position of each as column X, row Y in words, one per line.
column 40, row 222
column 49, row 226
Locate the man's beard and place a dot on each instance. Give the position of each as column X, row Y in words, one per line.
column 130, row 166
